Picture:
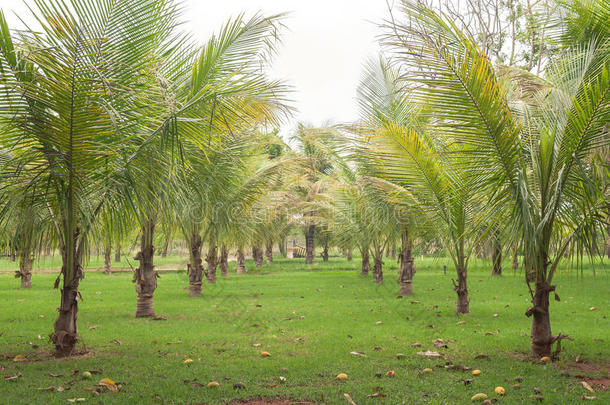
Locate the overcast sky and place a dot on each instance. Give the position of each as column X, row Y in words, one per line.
column 324, row 47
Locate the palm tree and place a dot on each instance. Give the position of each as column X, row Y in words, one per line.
column 316, row 167
column 533, row 154
column 65, row 119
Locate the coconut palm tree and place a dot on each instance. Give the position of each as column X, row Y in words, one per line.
column 534, row 154
column 69, row 100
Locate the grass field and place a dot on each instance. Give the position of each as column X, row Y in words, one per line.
column 309, row 318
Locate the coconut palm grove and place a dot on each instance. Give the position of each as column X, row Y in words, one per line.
column 169, row 234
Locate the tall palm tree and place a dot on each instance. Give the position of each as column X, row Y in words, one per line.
column 531, row 156
column 68, row 103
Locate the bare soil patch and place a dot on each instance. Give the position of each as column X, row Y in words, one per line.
column 276, row 401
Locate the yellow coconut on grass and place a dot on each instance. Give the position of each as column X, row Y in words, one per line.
column 341, row 376
column 479, row 397
column 265, row 354
column 476, row 372
column 500, row 390
column 213, row 384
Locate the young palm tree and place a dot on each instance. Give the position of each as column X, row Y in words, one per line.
column 532, row 155
column 65, row 119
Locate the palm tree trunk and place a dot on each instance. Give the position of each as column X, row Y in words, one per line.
column 541, row 322
column 378, row 264
column 496, row 256
column 325, row 252
column 107, row 267
column 282, row 246
column 117, row 253
column 212, row 261
column 224, row 261
column 407, row 268
column 269, row 251
column 165, row 247
column 393, row 252
column 257, row 254
column 65, row 329
column 366, row 264
column 349, row 254
column 515, row 258
column 25, row 269
column 195, row 267
column 309, row 244
column 241, row 261
column 145, row 276
column 463, row 305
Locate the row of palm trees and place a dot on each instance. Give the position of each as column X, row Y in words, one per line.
column 109, row 111
column 112, row 116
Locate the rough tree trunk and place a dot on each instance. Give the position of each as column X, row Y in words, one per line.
column 212, row 261
column 282, row 246
column 107, row 267
column 257, row 254
column 269, row 251
column 496, row 255
column 393, row 252
column 349, row 254
column 145, row 276
column 165, row 247
column 117, row 253
column 224, row 261
column 65, row 329
column 366, row 263
column 195, row 267
column 378, row 268
column 407, row 268
column 309, row 244
column 325, row 252
column 241, row 261
column 461, row 288
column 25, row 270
column 541, row 337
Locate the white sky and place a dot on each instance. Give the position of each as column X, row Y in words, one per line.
column 324, row 48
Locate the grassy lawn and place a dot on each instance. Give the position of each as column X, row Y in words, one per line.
column 309, row 318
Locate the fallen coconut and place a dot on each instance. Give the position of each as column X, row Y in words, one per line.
column 479, row 397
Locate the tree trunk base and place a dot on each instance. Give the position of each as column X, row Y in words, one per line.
column 26, row 280
column 406, row 288
column 195, row 290
column 241, row 269
column 145, row 307
column 65, row 333
column 542, row 338
column 462, row 306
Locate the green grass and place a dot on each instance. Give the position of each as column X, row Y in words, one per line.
column 309, row 318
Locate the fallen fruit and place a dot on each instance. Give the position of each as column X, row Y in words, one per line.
column 342, row 376
column 108, row 383
column 479, row 397
column 213, row 384
column 427, row 370
column 87, row 375
column 239, row 385
column 390, row 373
column 476, row 372
column 265, row 354
column 188, row 361
column 587, row 386
column 545, row 359
column 500, row 390
column 19, row 358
